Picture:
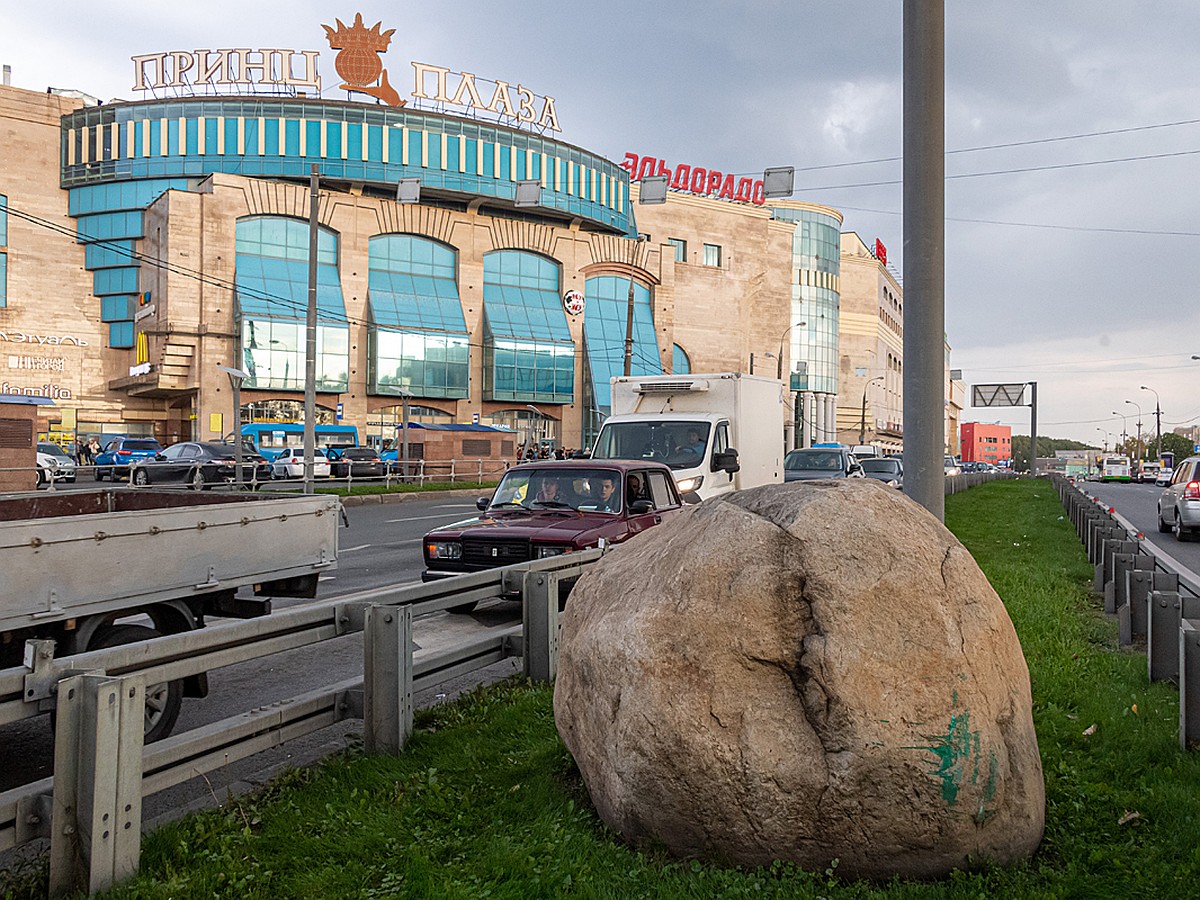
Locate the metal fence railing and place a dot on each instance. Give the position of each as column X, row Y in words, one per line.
column 213, row 476
column 91, row 808
column 1155, row 598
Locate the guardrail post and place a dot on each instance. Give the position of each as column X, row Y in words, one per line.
column 539, row 594
column 97, row 820
column 387, row 678
column 1162, row 641
column 1117, row 564
column 1189, row 683
column 1137, row 590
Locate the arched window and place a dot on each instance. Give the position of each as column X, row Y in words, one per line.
column 418, row 338
column 605, row 318
column 528, row 354
column 272, row 301
column 681, row 364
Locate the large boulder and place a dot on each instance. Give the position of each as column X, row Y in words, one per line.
column 810, row 672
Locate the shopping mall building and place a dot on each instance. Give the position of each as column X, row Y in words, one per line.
column 469, row 261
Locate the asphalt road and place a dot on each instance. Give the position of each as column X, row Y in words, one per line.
column 380, row 547
column 1139, row 504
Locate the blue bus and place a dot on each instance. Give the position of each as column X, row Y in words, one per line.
column 270, row 438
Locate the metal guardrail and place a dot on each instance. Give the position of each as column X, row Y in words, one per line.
column 1154, row 597
column 956, row 483
column 420, row 472
column 91, row 809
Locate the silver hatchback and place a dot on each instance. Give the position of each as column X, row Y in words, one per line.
column 1179, row 504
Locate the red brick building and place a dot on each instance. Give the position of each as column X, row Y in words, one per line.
column 986, row 443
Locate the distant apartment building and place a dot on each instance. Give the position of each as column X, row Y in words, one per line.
column 986, row 443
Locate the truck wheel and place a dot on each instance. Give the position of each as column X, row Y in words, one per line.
column 163, row 700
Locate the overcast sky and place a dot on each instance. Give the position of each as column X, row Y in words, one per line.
column 1079, row 272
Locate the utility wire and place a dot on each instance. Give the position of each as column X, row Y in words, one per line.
column 1010, row 144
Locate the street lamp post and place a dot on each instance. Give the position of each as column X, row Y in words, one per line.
column 862, row 426
column 236, row 377
column 779, row 359
column 1138, row 444
column 529, row 431
column 405, row 397
column 1124, row 428
column 1105, row 433
column 1157, row 422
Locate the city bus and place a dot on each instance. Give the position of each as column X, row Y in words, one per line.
column 269, row 438
column 1114, row 468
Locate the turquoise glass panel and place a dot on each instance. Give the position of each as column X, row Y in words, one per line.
column 120, row 335
column 604, row 322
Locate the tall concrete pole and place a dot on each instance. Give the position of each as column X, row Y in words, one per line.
column 924, row 253
column 310, row 332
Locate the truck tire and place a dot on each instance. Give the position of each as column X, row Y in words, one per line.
column 163, row 700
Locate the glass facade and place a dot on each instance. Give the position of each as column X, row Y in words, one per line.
column 418, row 338
column 528, row 354
column 816, row 260
column 604, row 323
column 272, row 301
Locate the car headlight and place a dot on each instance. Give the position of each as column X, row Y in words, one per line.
column 690, row 484
column 443, row 550
column 546, row 552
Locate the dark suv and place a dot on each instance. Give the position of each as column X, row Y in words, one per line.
column 548, row 508
column 113, row 461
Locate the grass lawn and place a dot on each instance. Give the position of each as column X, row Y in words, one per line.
column 486, row 802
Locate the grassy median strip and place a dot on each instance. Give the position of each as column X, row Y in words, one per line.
column 485, row 802
column 373, row 487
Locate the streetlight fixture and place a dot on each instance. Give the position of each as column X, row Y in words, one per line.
column 1124, row 427
column 1157, row 422
column 779, row 359
column 236, row 377
column 1138, row 445
column 862, row 426
column 1105, row 433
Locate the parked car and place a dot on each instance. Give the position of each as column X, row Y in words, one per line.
column 548, row 508
column 53, row 463
column 290, row 463
column 1149, row 473
column 951, row 466
column 355, row 462
column 887, row 469
column 1179, row 503
column 1164, row 477
column 114, row 460
column 200, row 465
column 820, row 462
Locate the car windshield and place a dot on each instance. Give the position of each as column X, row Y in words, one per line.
column 53, row 450
column 568, row 488
column 680, row 445
column 880, row 466
column 812, row 461
column 151, row 445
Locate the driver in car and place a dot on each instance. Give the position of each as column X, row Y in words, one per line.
column 547, row 492
column 609, row 500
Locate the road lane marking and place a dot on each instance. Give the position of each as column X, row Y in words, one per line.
column 419, row 518
column 352, row 549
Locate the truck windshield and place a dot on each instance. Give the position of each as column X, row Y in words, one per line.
column 680, row 445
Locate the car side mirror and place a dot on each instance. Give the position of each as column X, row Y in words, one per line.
column 726, row 460
column 159, row 456
column 482, row 503
column 689, row 497
column 641, row 507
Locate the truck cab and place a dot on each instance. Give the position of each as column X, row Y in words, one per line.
column 717, row 433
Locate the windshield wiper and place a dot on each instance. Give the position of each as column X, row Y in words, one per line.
column 552, row 504
column 507, row 503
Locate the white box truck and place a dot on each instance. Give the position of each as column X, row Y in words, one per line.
column 718, row 433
